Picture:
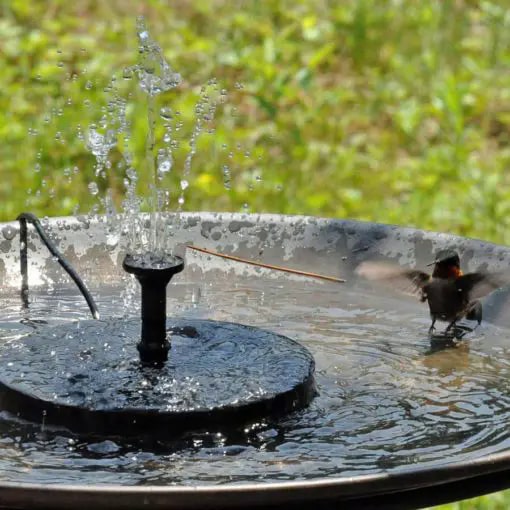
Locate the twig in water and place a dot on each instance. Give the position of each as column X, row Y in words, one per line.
column 267, row 266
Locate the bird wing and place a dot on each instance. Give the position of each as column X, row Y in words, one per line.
column 409, row 281
column 478, row 285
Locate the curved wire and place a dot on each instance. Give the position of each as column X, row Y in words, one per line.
column 25, row 217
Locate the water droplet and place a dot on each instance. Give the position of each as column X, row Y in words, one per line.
column 8, row 233
column 131, row 173
column 226, row 177
column 184, row 184
column 196, row 295
column 127, row 73
column 166, row 113
column 94, row 190
column 154, row 73
column 165, row 162
column 99, row 144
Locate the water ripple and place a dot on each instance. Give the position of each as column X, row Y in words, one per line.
column 387, row 401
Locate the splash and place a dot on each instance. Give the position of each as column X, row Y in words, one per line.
column 154, row 76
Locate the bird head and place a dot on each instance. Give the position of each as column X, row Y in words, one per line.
column 446, row 264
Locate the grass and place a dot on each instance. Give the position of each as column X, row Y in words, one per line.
column 395, row 111
column 497, row 501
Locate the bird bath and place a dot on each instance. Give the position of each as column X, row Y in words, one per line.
column 395, row 421
column 213, row 405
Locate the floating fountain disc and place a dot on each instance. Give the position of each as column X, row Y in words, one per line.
column 87, row 377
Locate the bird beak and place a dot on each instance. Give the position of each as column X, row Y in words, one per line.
column 433, row 263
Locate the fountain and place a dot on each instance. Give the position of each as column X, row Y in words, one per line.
column 213, row 414
column 219, row 375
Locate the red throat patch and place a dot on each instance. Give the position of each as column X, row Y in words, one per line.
column 454, row 272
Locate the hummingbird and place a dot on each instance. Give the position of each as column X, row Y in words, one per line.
column 450, row 294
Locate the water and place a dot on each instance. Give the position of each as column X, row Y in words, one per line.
column 128, row 176
column 387, row 401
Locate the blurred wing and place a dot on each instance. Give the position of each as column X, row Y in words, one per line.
column 478, row 285
column 409, row 281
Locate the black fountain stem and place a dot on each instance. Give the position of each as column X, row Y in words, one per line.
column 154, row 274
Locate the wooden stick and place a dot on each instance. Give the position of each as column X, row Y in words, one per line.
column 267, row 266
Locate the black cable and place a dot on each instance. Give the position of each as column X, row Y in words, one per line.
column 25, row 217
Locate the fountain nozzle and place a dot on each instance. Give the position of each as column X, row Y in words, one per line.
column 154, row 273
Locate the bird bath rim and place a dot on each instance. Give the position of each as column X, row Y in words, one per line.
column 252, row 495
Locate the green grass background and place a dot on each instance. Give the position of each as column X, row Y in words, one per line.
column 392, row 111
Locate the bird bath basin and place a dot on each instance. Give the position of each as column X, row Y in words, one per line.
column 396, row 421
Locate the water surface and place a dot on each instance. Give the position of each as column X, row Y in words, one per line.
column 387, row 400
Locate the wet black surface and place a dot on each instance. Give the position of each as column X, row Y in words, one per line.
column 86, row 376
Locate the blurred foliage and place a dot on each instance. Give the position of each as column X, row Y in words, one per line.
column 396, row 111
column 497, row 501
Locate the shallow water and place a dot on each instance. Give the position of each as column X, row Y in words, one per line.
column 387, row 400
